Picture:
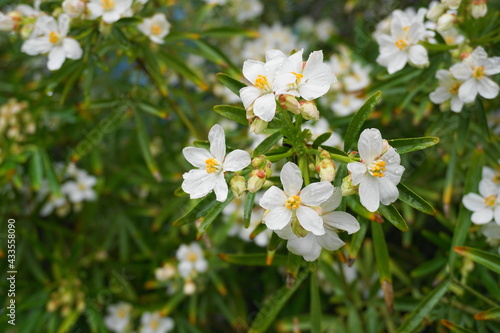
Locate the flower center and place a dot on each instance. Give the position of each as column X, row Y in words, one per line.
column 496, row 178
column 212, row 165
column 454, row 88
column 107, row 4
column 154, row 324
column 53, row 37
column 406, row 28
column 262, row 83
column 479, row 72
column 377, row 168
column 345, row 101
column 293, row 202
column 490, row 201
column 121, row 313
column 81, row 187
column 155, row 29
column 401, row 44
column 192, row 257
column 298, row 77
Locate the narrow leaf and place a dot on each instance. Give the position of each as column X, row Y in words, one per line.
column 36, row 169
column 404, row 146
column 489, row 260
column 493, row 313
column 412, row 199
column 258, row 259
column 50, row 173
column 357, row 240
column 320, row 139
column 233, row 84
column 267, row 144
column 232, row 112
column 315, row 305
column 382, row 260
column 454, row 327
column 247, row 208
column 359, row 119
column 143, row 139
column 392, row 215
column 212, row 215
column 229, row 32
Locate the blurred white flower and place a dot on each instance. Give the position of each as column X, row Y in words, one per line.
column 479, row 8
column 81, row 189
column 118, row 317
column 191, row 260
column 447, row 90
column 475, row 71
column 153, row 322
column 211, row 166
column 321, row 126
column 110, row 10
column 346, row 104
column 378, row 172
column 247, row 9
column 165, row 272
column 324, row 29
column 73, row 8
column 6, row 22
column 492, row 233
column 492, row 174
column 294, row 203
column 452, row 37
column 310, row 245
column 486, row 204
column 216, row 2
column 53, row 202
column 358, row 78
column 50, row 37
column 155, row 27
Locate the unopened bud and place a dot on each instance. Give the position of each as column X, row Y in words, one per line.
column 308, row 110
column 238, row 185
column 189, row 288
column 347, row 187
column 445, row 22
column 257, row 161
column 435, row 12
column 324, row 153
column 51, row 306
column 452, row 4
column 297, row 228
column 258, row 125
column 326, row 170
column 256, row 180
column 479, row 8
column 290, row 103
column 165, row 272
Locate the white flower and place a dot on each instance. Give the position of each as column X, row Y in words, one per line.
column 216, row 2
column 310, row 246
column 492, row 233
column 486, row 206
column 212, row 165
column 324, row 29
column 50, row 37
column 312, row 80
column 118, row 317
column 73, row 8
column 402, row 46
column 81, row 189
column 155, row 27
column 6, row 22
column 446, row 21
column 294, row 203
column 475, row 71
column 165, row 272
column 191, row 260
column 452, row 4
column 479, row 8
column 452, row 37
column 110, row 10
column 247, row 9
column 53, row 202
column 321, row 126
column 153, row 322
column 492, row 174
column 260, row 97
column 447, row 90
column 378, row 172
column 346, row 104
column 358, row 79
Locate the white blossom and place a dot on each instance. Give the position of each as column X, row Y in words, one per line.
column 118, row 317
column 110, row 10
column 346, row 104
column 155, row 27
column 486, row 204
column 191, row 260
column 81, row 189
column 447, row 90
column 153, row 322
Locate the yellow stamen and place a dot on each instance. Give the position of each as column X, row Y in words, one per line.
column 53, row 37
column 192, row 257
column 490, row 201
column 107, row 4
column 211, row 165
column 298, row 76
column 401, row 44
column 121, row 313
column 154, row 324
column 377, row 168
column 496, row 178
column 345, row 101
column 479, row 72
column 261, row 82
column 293, row 202
column 81, row 187
column 155, row 29
column 454, row 88
column 406, row 28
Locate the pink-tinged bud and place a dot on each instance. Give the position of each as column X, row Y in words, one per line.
column 238, row 185
column 446, row 21
column 452, row 4
column 479, row 8
column 308, row 110
column 327, row 170
column 435, row 12
column 347, row 187
column 290, row 103
column 258, row 125
column 268, row 171
column 324, row 153
column 256, row 180
column 257, row 162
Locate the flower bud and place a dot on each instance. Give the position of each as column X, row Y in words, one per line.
column 256, row 180
column 326, row 169
column 297, row 228
column 323, row 153
column 73, row 8
column 435, row 12
column 290, row 103
column 258, row 125
column 238, row 185
column 189, row 288
column 257, row 161
column 6, row 23
column 308, row 110
column 165, row 272
column 479, row 8
column 445, row 22
column 347, row 187
column 452, row 4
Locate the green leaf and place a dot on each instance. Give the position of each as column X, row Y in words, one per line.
column 213, row 54
column 320, row 139
column 152, row 109
column 381, row 252
column 335, row 151
column 232, row 112
column 428, row 267
column 412, row 199
column 454, row 327
column 202, row 144
column 357, row 240
column 247, row 208
column 50, row 173
column 359, row 119
column 229, row 32
column 404, row 146
column 36, row 169
column 179, row 66
column 437, row 47
column 315, row 305
column 415, row 318
column 197, row 211
column 493, row 313
column 482, row 119
column 212, row 215
column 392, row 215
column 257, row 259
column 232, row 84
column 273, row 306
column 267, row 144
column 69, row 321
column 489, row 260
column 143, row 139
column 152, row 68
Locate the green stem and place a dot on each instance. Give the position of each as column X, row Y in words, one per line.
column 304, row 168
column 184, row 119
column 475, row 293
column 275, row 158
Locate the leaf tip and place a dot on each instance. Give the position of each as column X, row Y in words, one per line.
column 462, row 250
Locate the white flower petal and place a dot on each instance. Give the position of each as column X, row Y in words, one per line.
column 36, row 46
column 196, row 156
column 307, row 247
column 341, row 220
column 278, row 218
column 388, row 191
column 291, row 178
column 236, row 160
column 482, row 216
column 56, row 58
column 358, row 171
column 496, row 215
column 456, row 104
column 370, row 144
column 398, row 62
column 252, row 68
column 369, row 193
column 461, row 71
column 217, row 142
column 310, row 220
column 220, row 188
column 473, row 202
column 72, row 49
column 468, row 90
column 316, row 193
column 333, row 201
column 440, row 95
column 286, row 232
column 198, row 183
column 274, row 197
column 248, row 95
column 488, row 88
column 330, row 240
column 264, row 107
column 487, row 188
column 201, row 265
column 418, row 55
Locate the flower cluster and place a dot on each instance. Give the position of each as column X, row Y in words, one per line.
column 16, row 122
column 118, row 320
